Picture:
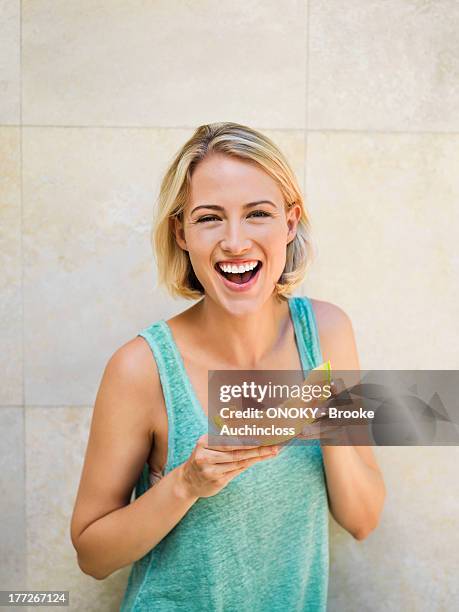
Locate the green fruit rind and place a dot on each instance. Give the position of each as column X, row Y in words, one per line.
column 326, row 367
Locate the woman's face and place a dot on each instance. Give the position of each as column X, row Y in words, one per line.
column 236, row 216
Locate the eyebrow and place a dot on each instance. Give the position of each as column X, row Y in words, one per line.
column 216, row 207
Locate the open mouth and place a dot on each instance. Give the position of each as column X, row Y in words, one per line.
column 239, row 278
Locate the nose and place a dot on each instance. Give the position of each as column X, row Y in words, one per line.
column 235, row 239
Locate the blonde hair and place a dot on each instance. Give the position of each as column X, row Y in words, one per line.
column 175, row 271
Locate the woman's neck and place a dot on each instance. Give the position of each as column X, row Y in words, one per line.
column 242, row 342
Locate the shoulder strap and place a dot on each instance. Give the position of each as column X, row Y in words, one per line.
column 165, row 361
column 183, row 428
column 307, row 331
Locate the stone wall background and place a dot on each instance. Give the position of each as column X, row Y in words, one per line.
column 95, row 98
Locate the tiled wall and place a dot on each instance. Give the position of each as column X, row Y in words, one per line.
column 95, row 98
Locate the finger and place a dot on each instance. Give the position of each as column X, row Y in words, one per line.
column 204, row 442
column 240, row 454
column 235, row 467
column 228, row 447
column 226, row 468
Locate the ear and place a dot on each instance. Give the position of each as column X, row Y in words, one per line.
column 293, row 217
column 179, row 232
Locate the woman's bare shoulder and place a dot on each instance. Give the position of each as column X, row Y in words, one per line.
column 135, row 371
column 134, row 354
column 328, row 314
column 336, row 335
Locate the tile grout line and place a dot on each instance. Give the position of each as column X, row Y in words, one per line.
column 21, row 195
column 321, row 130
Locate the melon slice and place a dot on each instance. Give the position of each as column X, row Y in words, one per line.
column 319, row 375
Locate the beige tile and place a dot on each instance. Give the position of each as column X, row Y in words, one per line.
column 292, row 145
column 164, row 63
column 386, row 228
column 89, row 274
column 10, row 268
column 408, row 562
column 12, row 500
column 10, row 11
column 390, row 65
column 56, row 441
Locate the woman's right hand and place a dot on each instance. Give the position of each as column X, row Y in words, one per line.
column 210, row 468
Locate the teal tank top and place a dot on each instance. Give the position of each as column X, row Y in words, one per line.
column 258, row 545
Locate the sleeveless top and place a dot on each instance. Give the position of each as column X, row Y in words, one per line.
column 261, row 543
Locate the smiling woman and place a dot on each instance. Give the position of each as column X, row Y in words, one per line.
column 220, row 527
column 210, row 198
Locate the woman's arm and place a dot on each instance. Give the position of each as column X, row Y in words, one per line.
column 355, row 484
column 107, row 531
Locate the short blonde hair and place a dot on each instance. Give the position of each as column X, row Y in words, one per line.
column 175, row 271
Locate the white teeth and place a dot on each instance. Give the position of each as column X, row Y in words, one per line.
column 234, row 268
